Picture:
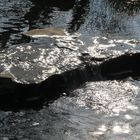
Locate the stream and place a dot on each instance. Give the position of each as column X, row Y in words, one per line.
column 84, row 105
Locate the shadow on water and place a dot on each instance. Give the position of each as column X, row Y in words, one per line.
column 61, row 4
column 80, row 11
column 128, row 6
column 15, row 96
column 5, row 36
column 38, row 14
column 41, row 11
column 45, row 8
column 121, row 67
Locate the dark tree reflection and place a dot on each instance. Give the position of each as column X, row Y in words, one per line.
column 41, row 10
column 5, row 36
column 129, row 6
column 61, row 4
column 80, row 11
column 31, row 14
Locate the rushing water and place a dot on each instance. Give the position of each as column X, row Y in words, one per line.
column 99, row 110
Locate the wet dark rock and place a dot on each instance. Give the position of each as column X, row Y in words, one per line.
column 41, row 71
column 35, row 62
column 126, row 65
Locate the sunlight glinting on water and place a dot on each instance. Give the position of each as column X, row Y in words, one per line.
column 128, row 117
column 120, row 128
column 103, row 46
column 43, row 59
column 116, row 128
column 104, row 97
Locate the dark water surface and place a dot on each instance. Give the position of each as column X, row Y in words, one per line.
column 99, row 110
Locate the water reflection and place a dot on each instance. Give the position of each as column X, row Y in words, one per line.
column 42, row 11
column 83, row 16
column 45, row 10
column 5, row 36
column 12, row 21
column 80, row 12
column 129, row 6
column 61, row 4
column 39, row 14
column 106, row 110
